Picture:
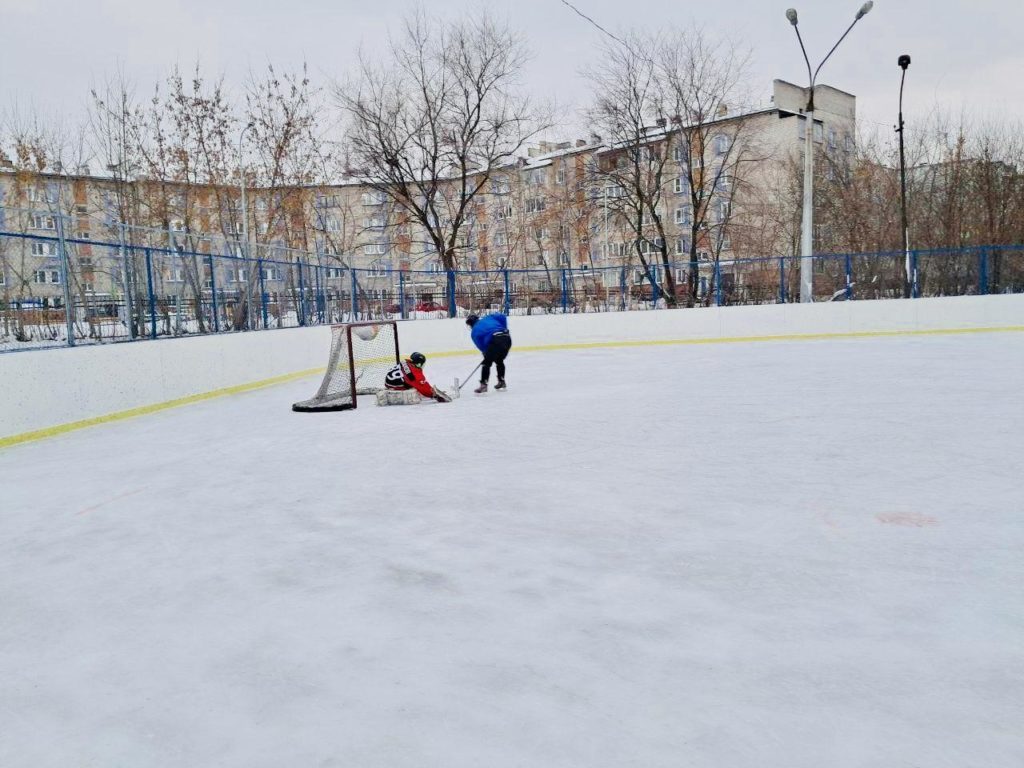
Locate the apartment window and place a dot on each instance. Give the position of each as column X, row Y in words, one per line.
column 504, row 212
column 615, row 191
column 560, row 175
column 81, row 209
column 832, row 138
column 379, row 268
column 261, row 204
column 240, row 275
column 238, row 228
column 373, row 198
column 83, row 236
column 540, row 233
column 43, row 249
column 681, row 186
column 332, row 224
column 722, row 144
column 500, row 185
column 651, row 246
column 535, row 204
column 684, row 215
column 819, row 131
column 722, row 210
column 40, row 221
column 177, row 225
column 37, row 195
column 682, row 246
column 435, row 266
column 563, row 259
column 271, row 273
column 3, row 278
column 335, row 273
column 175, row 275
column 374, row 222
column 500, row 239
column 85, row 263
column 848, row 143
column 680, row 152
column 42, row 276
column 372, row 249
column 537, row 178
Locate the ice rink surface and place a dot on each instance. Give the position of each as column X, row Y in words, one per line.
column 802, row 554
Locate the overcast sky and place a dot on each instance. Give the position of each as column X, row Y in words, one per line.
column 967, row 55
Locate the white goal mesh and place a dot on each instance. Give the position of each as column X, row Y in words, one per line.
column 361, row 355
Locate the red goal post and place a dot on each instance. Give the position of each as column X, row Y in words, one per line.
column 361, row 355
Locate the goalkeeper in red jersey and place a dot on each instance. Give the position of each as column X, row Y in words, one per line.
column 408, row 375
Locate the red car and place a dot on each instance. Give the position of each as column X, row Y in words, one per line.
column 430, row 306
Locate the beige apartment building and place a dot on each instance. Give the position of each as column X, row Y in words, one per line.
column 552, row 210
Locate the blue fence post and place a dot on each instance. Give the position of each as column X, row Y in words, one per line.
column 983, row 271
column 508, row 301
column 782, row 280
column 401, row 294
column 849, row 277
column 355, row 298
column 263, row 294
column 302, row 296
column 452, row 309
column 914, row 288
column 152, row 298
column 213, row 295
column 319, row 296
column 718, row 283
column 622, row 288
column 565, row 293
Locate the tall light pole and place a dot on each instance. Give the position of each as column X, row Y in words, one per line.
column 245, row 224
column 909, row 279
column 807, row 223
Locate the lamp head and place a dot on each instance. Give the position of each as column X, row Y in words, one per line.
column 864, row 9
column 903, row 61
column 791, row 15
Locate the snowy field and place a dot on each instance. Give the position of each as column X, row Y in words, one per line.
column 799, row 554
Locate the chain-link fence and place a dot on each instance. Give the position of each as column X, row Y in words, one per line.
column 57, row 290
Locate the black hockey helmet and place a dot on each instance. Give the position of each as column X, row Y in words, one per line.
column 471, row 320
column 418, row 359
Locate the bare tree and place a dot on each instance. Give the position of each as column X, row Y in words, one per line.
column 630, row 100
column 706, row 88
column 430, row 125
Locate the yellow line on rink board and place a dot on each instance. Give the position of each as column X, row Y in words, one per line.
column 737, row 339
column 41, row 434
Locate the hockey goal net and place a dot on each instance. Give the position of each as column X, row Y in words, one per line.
column 361, row 355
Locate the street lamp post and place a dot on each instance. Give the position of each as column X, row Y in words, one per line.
column 807, row 222
column 909, row 278
column 245, row 226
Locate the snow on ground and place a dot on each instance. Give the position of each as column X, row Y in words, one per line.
column 796, row 554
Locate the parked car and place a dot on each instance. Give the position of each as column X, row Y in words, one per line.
column 430, row 306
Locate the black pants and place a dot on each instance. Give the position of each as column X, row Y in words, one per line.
column 496, row 353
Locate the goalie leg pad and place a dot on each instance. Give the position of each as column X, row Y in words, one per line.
column 398, row 397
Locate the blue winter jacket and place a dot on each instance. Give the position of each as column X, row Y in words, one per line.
column 486, row 327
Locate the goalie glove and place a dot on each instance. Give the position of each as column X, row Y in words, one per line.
column 442, row 397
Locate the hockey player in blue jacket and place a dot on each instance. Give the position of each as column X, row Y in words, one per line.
column 490, row 334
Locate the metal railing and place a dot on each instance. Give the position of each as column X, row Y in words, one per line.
column 60, row 291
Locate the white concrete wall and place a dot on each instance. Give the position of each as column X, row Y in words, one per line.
column 49, row 388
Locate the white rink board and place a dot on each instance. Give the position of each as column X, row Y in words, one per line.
column 48, row 388
column 799, row 554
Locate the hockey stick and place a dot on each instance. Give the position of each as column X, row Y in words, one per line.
column 470, row 375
